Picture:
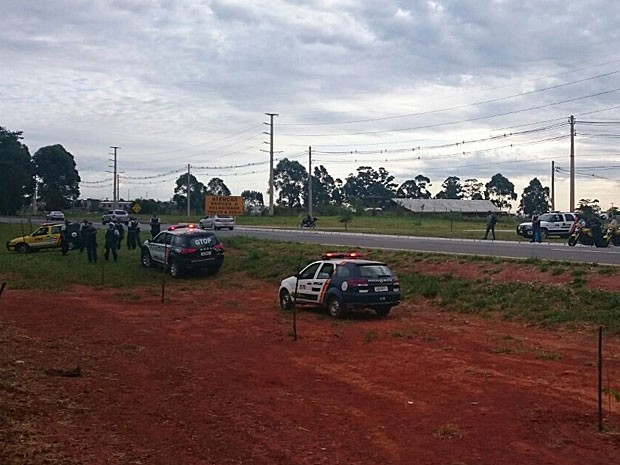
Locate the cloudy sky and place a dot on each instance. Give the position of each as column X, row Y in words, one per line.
column 440, row 88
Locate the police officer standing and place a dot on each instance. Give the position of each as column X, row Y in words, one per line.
column 121, row 233
column 155, row 225
column 133, row 234
column 83, row 226
column 64, row 238
column 112, row 237
column 89, row 241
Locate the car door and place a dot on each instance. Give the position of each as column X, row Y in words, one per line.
column 307, row 285
column 569, row 220
column 159, row 247
column 41, row 238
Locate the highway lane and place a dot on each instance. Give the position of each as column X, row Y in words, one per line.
column 487, row 248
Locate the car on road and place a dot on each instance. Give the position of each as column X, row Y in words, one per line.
column 46, row 236
column 217, row 222
column 182, row 248
column 340, row 282
column 55, row 215
column 115, row 215
column 551, row 224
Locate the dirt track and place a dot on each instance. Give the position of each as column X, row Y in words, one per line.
column 216, row 378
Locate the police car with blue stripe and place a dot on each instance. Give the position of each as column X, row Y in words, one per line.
column 340, row 282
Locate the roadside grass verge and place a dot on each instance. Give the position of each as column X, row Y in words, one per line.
column 572, row 305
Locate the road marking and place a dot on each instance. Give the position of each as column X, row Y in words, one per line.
column 588, row 250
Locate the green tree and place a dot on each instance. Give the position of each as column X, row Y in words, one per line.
column 345, row 216
column 252, row 200
column 452, row 189
column 290, row 179
column 323, row 186
column 216, row 186
column 197, row 192
column 589, row 207
column 535, row 198
column 472, row 189
column 57, row 177
column 375, row 188
column 501, row 191
column 16, row 172
column 415, row 188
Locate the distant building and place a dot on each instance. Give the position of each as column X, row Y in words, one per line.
column 447, row 206
column 109, row 205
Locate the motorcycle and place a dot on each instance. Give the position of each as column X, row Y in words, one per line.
column 581, row 233
column 612, row 236
column 309, row 223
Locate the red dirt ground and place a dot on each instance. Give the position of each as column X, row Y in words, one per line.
column 215, row 377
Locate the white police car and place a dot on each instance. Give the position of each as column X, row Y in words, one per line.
column 342, row 281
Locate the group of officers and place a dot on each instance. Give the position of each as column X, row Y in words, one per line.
column 113, row 237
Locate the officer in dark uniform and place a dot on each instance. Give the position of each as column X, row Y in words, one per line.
column 111, row 242
column 121, row 233
column 81, row 241
column 155, row 225
column 89, row 241
column 64, row 238
column 133, row 234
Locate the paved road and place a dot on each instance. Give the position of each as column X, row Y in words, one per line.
column 506, row 249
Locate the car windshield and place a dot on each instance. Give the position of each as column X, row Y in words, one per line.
column 548, row 217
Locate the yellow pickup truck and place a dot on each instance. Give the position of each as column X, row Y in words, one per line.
column 46, row 236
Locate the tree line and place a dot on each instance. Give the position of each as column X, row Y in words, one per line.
column 50, row 178
column 374, row 188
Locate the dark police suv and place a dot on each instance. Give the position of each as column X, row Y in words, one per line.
column 341, row 281
column 183, row 247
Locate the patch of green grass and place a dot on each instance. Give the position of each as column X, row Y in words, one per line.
column 270, row 261
column 370, row 336
column 544, row 355
column 448, row 431
column 558, row 270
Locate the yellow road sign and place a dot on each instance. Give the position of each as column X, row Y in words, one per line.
column 136, row 207
column 224, row 205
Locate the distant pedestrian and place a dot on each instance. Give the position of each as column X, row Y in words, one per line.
column 121, row 233
column 83, row 226
column 536, row 231
column 89, row 241
column 491, row 222
column 133, row 234
column 111, row 242
column 155, row 225
column 64, row 238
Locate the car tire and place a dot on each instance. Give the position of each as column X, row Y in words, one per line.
column 286, row 301
column 383, row 311
column 175, row 269
column 335, row 307
column 22, row 248
column 544, row 232
column 146, row 259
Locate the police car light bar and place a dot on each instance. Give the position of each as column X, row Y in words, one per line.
column 352, row 254
column 181, row 225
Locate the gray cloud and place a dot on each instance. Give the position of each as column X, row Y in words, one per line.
column 181, row 81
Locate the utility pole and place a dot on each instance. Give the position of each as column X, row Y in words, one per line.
column 271, row 115
column 188, row 191
column 115, row 195
column 552, row 186
column 572, row 163
column 310, row 182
